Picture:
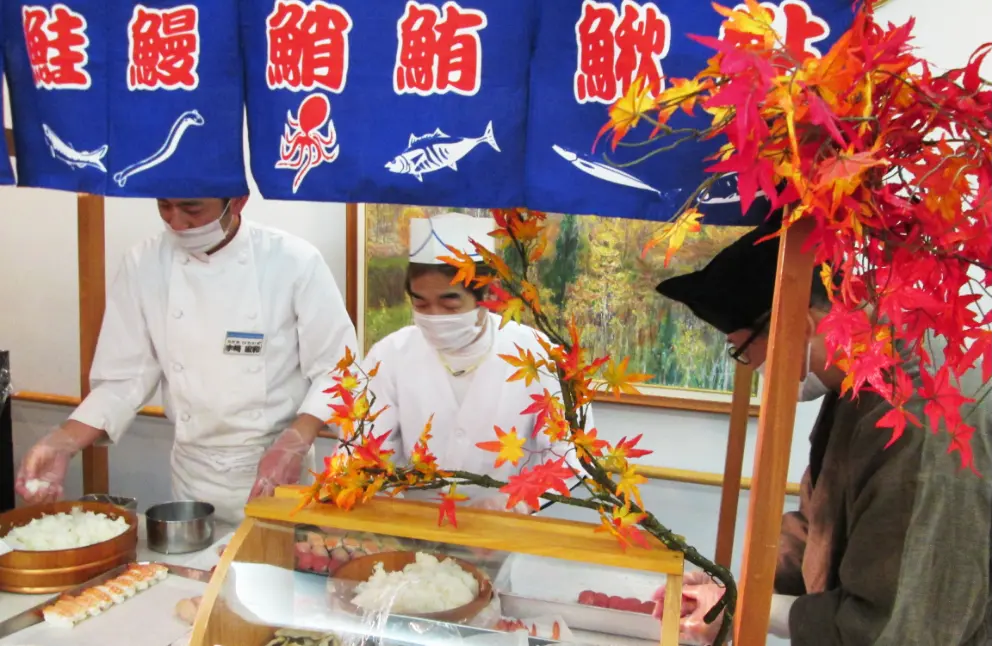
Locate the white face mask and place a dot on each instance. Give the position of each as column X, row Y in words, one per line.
column 200, row 240
column 449, row 332
column 812, row 387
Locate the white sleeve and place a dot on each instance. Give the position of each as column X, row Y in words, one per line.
column 780, row 616
column 324, row 330
column 125, row 370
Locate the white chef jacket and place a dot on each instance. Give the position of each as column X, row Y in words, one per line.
column 414, row 384
column 168, row 317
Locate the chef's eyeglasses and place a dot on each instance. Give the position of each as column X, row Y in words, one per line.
column 758, row 328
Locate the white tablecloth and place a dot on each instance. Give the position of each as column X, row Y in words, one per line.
column 12, row 604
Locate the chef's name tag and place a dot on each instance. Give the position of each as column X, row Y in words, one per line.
column 244, row 343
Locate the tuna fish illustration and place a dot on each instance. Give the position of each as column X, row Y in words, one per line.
column 436, row 150
column 64, row 152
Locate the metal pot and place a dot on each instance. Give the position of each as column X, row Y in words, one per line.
column 180, row 527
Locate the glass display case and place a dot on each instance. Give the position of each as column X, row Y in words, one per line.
column 388, row 573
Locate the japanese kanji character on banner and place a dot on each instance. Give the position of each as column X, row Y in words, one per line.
column 56, row 43
column 307, row 46
column 796, row 25
column 615, row 48
column 439, row 51
column 163, row 48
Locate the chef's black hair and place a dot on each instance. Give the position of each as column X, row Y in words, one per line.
column 416, row 270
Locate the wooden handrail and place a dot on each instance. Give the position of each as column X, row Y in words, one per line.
column 650, row 472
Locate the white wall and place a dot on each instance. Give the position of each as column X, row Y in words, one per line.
column 39, row 314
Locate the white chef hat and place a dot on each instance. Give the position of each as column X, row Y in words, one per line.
column 432, row 237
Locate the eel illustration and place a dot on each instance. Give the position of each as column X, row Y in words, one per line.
column 64, row 152
column 180, row 126
column 436, row 150
column 603, row 171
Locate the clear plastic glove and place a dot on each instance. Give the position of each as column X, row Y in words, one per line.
column 498, row 502
column 700, row 594
column 281, row 464
column 43, row 470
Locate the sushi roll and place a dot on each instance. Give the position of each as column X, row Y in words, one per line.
column 96, row 601
column 129, row 583
column 114, row 591
column 73, row 609
column 149, row 573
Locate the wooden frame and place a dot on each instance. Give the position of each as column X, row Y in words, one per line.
column 650, row 396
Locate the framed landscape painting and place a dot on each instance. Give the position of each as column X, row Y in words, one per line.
column 593, row 270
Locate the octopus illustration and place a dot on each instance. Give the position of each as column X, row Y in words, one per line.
column 303, row 145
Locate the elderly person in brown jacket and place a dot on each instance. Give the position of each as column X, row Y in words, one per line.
column 889, row 546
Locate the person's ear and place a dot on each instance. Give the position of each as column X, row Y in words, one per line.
column 236, row 204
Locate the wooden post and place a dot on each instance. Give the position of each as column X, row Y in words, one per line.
column 92, row 298
column 731, row 485
column 352, row 269
column 784, row 358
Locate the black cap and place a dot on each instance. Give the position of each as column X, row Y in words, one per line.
column 735, row 290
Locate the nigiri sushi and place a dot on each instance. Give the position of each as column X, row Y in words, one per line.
column 60, row 616
column 159, row 570
column 145, row 574
column 65, row 613
column 129, row 583
column 95, row 601
column 114, row 591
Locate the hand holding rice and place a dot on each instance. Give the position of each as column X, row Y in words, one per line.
column 65, row 531
column 425, row 586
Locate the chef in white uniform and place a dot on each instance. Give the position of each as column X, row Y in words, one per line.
column 241, row 324
column 447, row 364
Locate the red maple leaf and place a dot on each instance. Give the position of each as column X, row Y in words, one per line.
column 529, row 485
column 447, row 508
column 372, row 448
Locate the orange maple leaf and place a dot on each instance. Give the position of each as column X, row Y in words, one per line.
column 755, row 20
column 465, row 265
column 618, row 380
column 587, row 444
column 627, row 111
column 507, row 446
column 674, row 233
column 628, row 486
column 623, row 525
column 346, row 361
column 528, row 366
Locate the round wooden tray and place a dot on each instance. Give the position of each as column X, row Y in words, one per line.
column 54, row 571
column 361, row 569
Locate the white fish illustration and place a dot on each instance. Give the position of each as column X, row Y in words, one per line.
column 75, row 158
column 603, row 171
column 165, row 151
column 436, row 150
column 724, row 190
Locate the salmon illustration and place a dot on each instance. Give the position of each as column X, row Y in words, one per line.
column 65, row 152
column 428, row 153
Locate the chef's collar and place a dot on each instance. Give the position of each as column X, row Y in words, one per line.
column 735, row 289
column 237, row 248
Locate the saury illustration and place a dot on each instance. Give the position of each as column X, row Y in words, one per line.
column 603, row 171
column 436, row 150
column 75, row 158
column 725, row 190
